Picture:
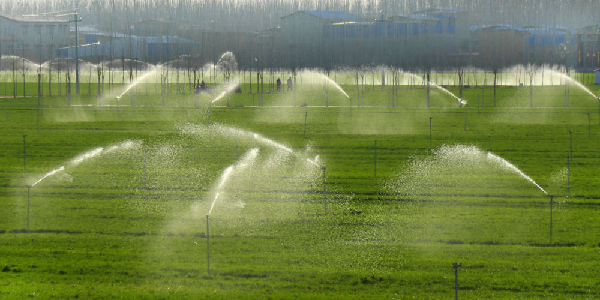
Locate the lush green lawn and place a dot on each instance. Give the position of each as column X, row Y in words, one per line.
column 394, row 217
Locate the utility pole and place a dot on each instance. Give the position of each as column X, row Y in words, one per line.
column 76, row 19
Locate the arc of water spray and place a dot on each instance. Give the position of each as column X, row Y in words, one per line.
column 333, row 83
column 229, row 88
column 59, row 169
column 246, row 161
column 575, row 82
column 507, row 165
column 460, row 101
column 137, row 81
column 270, row 142
column 189, row 129
column 86, row 156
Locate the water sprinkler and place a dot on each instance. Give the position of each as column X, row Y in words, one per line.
column 456, row 266
column 207, row 247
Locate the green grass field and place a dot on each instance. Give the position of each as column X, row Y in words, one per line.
column 387, row 221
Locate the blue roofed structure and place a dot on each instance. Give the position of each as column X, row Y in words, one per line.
column 148, row 48
column 302, row 34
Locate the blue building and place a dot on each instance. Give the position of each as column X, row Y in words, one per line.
column 98, row 45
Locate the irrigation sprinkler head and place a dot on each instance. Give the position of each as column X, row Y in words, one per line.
column 456, row 265
column 118, row 97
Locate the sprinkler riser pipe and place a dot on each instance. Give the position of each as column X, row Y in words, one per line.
column 430, row 133
column 324, row 190
column 375, row 158
column 456, row 266
column 24, row 151
column 305, row 119
column 551, row 204
column 207, row 246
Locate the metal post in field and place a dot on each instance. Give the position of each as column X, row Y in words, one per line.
column 24, row 151
column 465, row 125
column 39, row 95
column 589, row 125
column 551, row 204
column 305, row 117
column 28, row 197
column 207, row 247
column 456, row 266
column 568, row 177
column 375, row 158
column 324, row 190
column 570, row 161
column 430, row 133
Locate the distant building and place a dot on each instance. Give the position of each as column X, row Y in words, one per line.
column 500, row 45
column 301, row 38
column 506, row 45
column 425, row 38
column 145, row 48
column 588, row 47
column 34, row 38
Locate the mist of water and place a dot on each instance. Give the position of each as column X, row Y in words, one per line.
column 574, row 82
column 461, row 168
column 329, row 81
column 229, row 88
column 242, row 164
column 239, row 133
column 137, row 81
